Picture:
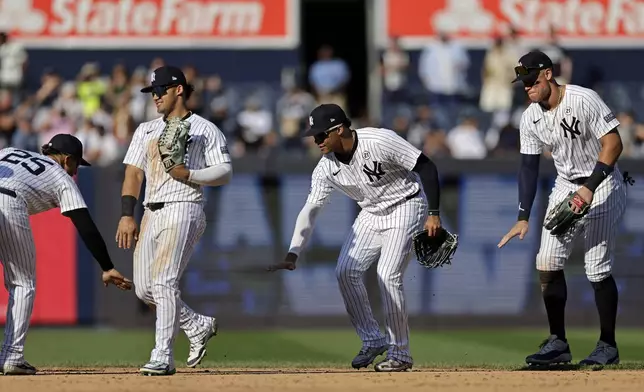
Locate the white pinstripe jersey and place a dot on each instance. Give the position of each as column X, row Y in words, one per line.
column 206, row 147
column 377, row 177
column 572, row 131
column 39, row 180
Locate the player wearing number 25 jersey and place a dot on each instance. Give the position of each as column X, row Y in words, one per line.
column 31, row 183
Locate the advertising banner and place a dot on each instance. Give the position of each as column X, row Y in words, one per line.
column 56, row 277
column 128, row 24
column 578, row 23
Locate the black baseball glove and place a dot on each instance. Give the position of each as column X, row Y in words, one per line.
column 563, row 217
column 436, row 251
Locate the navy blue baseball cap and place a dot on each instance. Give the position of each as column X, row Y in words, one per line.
column 326, row 117
column 68, row 144
column 165, row 76
column 530, row 64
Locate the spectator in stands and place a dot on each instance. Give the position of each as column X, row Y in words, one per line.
column 91, row 88
column 465, row 140
column 50, row 83
column 52, row 122
column 220, row 102
column 68, row 102
column 329, row 77
column 7, row 118
column 507, row 143
column 293, row 110
column 123, row 124
column 100, row 147
column 25, row 136
column 562, row 63
column 627, row 130
column 426, row 134
column 118, row 85
column 254, row 128
column 401, row 124
column 138, row 100
column 394, row 67
column 443, row 69
column 497, row 72
column 13, row 63
column 196, row 102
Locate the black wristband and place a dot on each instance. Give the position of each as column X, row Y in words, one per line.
column 128, row 202
column 433, row 213
column 599, row 174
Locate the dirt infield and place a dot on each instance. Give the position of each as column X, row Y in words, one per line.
column 319, row 380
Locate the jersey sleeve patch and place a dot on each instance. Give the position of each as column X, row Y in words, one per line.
column 609, row 117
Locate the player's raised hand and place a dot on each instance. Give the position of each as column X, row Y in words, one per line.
column 127, row 232
column 519, row 229
column 114, row 277
column 288, row 263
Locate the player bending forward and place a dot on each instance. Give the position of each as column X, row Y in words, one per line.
column 32, row 183
column 177, row 154
column 389, row 178
column 588, row 199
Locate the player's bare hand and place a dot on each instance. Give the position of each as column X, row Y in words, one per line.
column 586, row 194
column 180, row 173
column 127, row 232
column 519, row 229
column 432, row 225
column 288, row 263
column 114, row 277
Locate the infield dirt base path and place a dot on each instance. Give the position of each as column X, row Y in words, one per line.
column 116, row 380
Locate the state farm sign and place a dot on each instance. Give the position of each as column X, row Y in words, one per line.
column 152, row 23
column 579, row 23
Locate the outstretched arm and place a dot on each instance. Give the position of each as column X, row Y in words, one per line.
column 93, row 239
column 528, row 178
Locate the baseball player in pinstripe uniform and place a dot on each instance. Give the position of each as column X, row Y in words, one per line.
column 581, row 132
column 174, row 218
column 32, row 183
column 397, row 188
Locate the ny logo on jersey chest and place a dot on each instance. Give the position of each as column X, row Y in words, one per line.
column 374, row 173
column 571, row 129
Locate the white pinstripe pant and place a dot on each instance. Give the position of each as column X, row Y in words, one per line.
column 18, row 258
column 167, row 240
column 598, row 229
column 386, row 239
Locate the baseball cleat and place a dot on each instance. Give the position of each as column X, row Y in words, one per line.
column 367, row 355
column 553, row 351
column 198, row 347
column 157, row 368
column 392, row 365
column 22, row 369
column 603, row 354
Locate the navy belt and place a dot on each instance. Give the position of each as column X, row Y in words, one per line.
column 8, row 192
column 155, row 206
column 579, row 181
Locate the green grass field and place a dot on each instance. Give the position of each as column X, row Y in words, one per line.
column 502, row 349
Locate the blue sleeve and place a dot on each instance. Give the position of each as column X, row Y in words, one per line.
column 528, row 178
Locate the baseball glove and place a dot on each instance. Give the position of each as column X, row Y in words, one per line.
column 172, row 143
column 436, row 251
column 562, row 217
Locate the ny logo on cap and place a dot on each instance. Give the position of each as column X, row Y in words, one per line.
column 152, row 77
column 311, row 120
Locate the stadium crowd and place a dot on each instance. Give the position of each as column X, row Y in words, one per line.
column 437, row 109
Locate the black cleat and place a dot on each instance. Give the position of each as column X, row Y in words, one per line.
column 553, row 351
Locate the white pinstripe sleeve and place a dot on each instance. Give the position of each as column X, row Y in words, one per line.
column 530, row 145
column 601, row 119
column 399, row 151
column 136, row 153
column 320, row 188
column 69, row 196
column 216, row 150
